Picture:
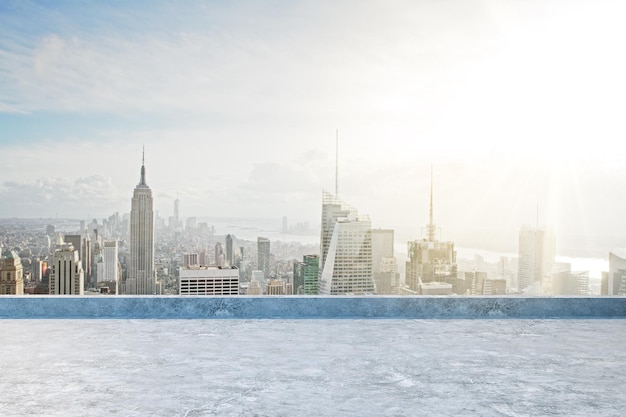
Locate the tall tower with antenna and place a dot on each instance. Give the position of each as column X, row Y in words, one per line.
column 337, row 163
column 345, row 264
column 431, row 225
column 431, row 267
column 141, row 277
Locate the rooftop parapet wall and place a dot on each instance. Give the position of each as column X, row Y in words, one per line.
column 308, row 307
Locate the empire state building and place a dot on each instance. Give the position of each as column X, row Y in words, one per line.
column 141, row 278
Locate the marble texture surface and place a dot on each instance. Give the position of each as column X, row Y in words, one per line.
column 317, row 367
column 309, row 307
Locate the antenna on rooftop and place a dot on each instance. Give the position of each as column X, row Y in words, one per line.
column 142, row 181
column 431, row 225
column 537, row 217
column 337, row 163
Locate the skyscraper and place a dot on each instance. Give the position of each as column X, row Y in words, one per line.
column 346, row 249
column 305, row 275
column 12, row 275
column 384, row 267
column 332, row 210
column 567, row 282
column 616, row 280
column 110, row 254
column 87, row 260
column 177, row 211
column 382, row 247
column 219, row 255
column 229, row 251
column 67, row 275
column 536, row 256
column 432, row 262
column 141, row 278
column 77, row 242
column 263, row 256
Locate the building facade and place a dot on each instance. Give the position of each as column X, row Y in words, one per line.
column 66, row 275
column 431, row 261
column 11, row 275
column 566, row 282
column 191, row 259
column 384, row 267
column 536, row 256
column 306, row 275
column 141, row 275
column 208, row 280
column 347, row 267
column 263, row 255
column 616, row 280
column 230, row 260
column 109, row 267
column 333, row 209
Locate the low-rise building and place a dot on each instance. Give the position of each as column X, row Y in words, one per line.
column 208, row 280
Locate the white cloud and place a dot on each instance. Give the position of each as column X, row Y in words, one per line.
column 51, row 197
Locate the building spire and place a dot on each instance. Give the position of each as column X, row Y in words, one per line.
column 537, row 217
column 143, row 167
column 431, row 225
column 337, row 163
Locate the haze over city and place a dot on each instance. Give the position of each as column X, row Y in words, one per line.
column 517, row 105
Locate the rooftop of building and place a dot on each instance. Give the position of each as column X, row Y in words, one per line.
column 321, row 367
column 206, row 267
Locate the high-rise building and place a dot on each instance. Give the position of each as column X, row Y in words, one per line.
column 66, row 276
column 260, row 278
column 616, row 282
column 141, row 277
column 11, row 275
column 203, row 258
column 382, row 247
column 384, row 267
column 219, row 255
column 263, row 255
column 536, row 256
column 208, row 280
column 332, row 210
column 285, row 228
column 229, row 251
column 177, row 212
column 387, row 279
column 110, row 262
column 346, row 248
column 87, row 267
column 306, row 275
column 191, row 224
column 190, row 259
column 77, row 242
column 566, row 282
column 604, row 283
column 432, row 262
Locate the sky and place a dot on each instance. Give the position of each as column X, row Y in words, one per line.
column 517, row 105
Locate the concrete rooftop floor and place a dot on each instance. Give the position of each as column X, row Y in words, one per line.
column 278, row 367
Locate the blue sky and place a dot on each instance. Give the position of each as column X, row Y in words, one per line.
column 237, row 104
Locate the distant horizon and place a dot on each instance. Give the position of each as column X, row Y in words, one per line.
column 402, row 235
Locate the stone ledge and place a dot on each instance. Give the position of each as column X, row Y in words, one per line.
column 304, row 307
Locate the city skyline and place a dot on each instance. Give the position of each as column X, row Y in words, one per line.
column 238, row 105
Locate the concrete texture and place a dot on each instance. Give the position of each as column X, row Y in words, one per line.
column 278, row 367
column 309, row 307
